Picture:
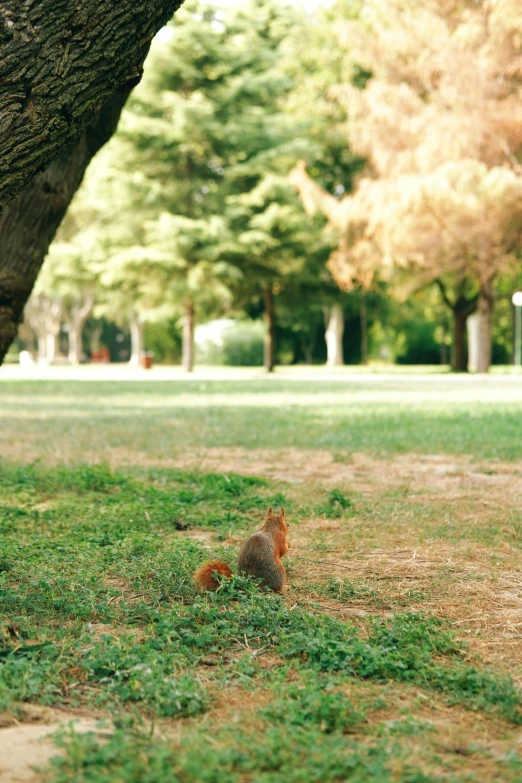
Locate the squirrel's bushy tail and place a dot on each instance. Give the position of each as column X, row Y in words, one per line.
column 204, row 576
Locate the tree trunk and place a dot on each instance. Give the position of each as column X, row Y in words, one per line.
column 61, row 62
column 74, row 354
column 66, row 70
column 269, row 342
column 188, row 336
column 42, row 346
column 364, row 329
column 37, row 213
column 51, row 347
column 94, row 342
column 334, row 336
column 458, row 348
column 44, row 316
column 78, row 315
column 484, row 327
column 137, row 339
column 461, row 308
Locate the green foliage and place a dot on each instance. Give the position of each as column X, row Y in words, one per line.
column 347, row 589
column 273, row 756
column 314, row 703
column 243, row 345
column 163, row 339
column 337, row 504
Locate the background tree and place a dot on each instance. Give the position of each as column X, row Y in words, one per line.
column 44, row 313
column 275, row 243
column 205, row 126
column 445, row 88
column 70, row 275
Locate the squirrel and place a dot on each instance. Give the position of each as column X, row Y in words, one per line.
column 259, row 556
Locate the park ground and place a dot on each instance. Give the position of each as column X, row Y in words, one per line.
column 396, row 653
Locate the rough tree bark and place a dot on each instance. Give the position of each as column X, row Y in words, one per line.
column 188, row 336
column 269, row 342
column 334, row 336
column 78, row 314
column 66, row 71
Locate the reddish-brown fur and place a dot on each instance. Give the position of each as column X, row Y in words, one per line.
column 204, row 576
column 259, row 556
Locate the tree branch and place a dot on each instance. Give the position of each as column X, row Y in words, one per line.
column 444, row 292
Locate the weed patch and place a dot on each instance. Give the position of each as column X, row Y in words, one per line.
column 273, row 755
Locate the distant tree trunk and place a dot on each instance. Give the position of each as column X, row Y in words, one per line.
column 51, row 347
column 458, row 347
column 485, row 313
column 78, row 315
column 94, row 341
column 137, row 339
column 269, row 342
column 188, row 336
column 44, row 315
column 461, row 308
column 74, row 354
column 42, row 346
column 334, row 336
column 364, row 329
column 27, row 336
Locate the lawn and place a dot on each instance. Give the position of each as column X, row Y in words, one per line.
column 395, row 654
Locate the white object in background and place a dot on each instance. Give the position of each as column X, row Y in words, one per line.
column 473, row 324
column 25, row 359
column 517, row 301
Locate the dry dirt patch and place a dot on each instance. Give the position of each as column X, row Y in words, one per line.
column 25, row 747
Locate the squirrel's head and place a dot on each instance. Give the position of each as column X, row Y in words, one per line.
column 279, row 518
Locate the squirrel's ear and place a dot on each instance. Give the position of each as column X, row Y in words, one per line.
column 270, row 512
column 282, row 512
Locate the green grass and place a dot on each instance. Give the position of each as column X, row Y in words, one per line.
column 85, row 546
column 98, row 611
column 454, row 416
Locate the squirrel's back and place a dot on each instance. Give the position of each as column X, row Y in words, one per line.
column 257, row 557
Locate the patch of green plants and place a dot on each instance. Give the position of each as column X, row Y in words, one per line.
column 347, row 589
column 337, row 505
column 314, row 702
column 408, row 648
column 274, row 754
